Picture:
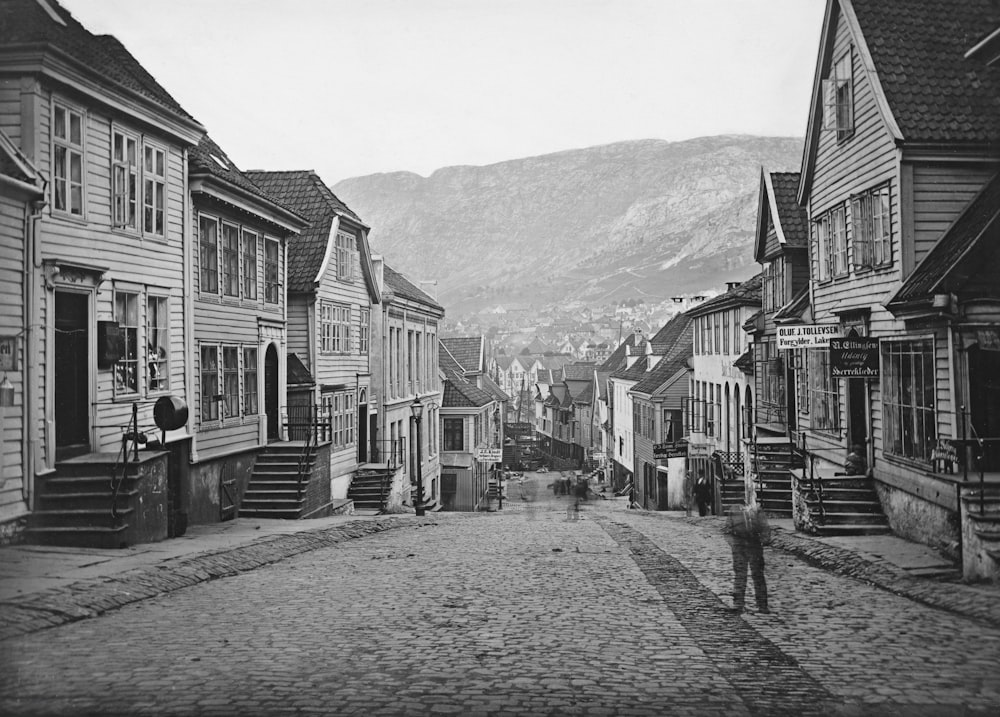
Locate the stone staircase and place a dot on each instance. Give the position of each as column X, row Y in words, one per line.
column 981, row 529
column 844, row 505
column 273, row 491
column 370, row 487
column 773, row 458
column 731, row 492
column 74, row 506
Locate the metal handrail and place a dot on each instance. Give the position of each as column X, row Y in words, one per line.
column 129, row 435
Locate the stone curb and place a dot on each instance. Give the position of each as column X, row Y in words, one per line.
column 95, row 596
column 958, row 598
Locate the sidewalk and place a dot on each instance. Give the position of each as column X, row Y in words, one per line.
column 42, row 586
column 912, row 570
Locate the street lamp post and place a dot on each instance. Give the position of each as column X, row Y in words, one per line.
column 417, row 410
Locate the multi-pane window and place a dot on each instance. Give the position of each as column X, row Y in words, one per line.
column 716, row 328
column 157, row 343
column 231, row 380
column 208, row 228
column 342, row 419
column 249, row 382
column 67, row 160
column 364, row 331
column 831, row 233
column 345, row 256
column 671, row 428
column 725, row 332
column 124, row 179
column 802, row 380
column 774, row 285
column 335, row 328
column 453, row 434
column 824, row 392
column 871, row 230
column 127, row 368
column 209, row 383
column 249, row 264
column 271, row 283
column 908, row 397
column 230, row 260
column 154, row 181
column 838, row 98
column 326, row 327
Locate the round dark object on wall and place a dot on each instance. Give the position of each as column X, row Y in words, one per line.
column 170, row 413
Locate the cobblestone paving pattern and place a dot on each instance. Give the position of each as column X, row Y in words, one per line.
column 521, row 612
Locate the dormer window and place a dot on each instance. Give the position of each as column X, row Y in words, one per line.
column 838, row 98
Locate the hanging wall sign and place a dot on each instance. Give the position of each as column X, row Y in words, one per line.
column 856, row 357
column 8, row 353
column 808, row 336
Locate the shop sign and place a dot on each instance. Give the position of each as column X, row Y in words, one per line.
column 669, row 450
column 855, row 357
column 8, row 353
column 489, row 455
column 808, row 336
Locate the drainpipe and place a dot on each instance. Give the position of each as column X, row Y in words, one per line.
column 30, row 454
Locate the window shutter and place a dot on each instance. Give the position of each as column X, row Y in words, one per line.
column 829, row 90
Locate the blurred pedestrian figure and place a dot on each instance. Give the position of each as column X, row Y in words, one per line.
column 688, row 491
column 703, row 495
column 856, row 465
column 747, row 531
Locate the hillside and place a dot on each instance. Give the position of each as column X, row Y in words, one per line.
column 645, row 218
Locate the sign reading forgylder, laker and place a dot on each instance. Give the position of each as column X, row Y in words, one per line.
column 808, row 336
column 855, row 357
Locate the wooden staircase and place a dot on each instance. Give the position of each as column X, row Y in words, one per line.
column 845, row 505
column 74, row 507
column 731, row 492
column 370, row 487
column 273, row 491
column 773, row 458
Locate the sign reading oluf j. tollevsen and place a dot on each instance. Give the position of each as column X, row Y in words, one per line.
column 855, row 357
column 808, row 336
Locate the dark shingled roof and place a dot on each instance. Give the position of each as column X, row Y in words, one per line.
column 459, row 393
column 298, row 374
column 968, row 231
column 745, row 362
column 401, row 286
column 676, row 330
column 580, row 370
column 746, row 294
column 491, row 387
column 25, row 25
column 617, row 357
column 466, row 351
column 918, row 47
column 793, row 217
column 304, row 191
column 200, row 161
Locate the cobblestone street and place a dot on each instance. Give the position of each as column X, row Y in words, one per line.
column 525, row 611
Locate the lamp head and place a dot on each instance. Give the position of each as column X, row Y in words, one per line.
column 417, row 408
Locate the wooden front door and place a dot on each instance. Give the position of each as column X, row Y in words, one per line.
column 72, row 373
column 271, row 391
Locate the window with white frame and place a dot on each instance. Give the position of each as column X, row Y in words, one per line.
column 725, row 332
column 341, row 329
column 250, row 381
column 326, row 327
column 871, row 230
column 230, row 260
column 127, row 367
column 208, row 229
column 231, row 381
column 454, row 434
column 209, row 372
column 716, row 328
column 824, row 392
column 341, row 407
column 157, row 343
column 154, row 181
column 364, row 331
column 345, row 256
column 271, row 283
column 838, row 98
column 124, row 179
column 908, row 399
column 249, row 264
column 67, row 160
column 831, row 236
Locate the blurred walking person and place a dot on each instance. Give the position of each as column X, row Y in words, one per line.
column 747, row 531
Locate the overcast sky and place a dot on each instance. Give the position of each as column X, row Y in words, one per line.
column 354, row 87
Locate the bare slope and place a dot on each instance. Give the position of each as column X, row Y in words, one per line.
column 645, row 218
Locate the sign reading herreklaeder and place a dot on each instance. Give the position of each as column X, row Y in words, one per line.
column 854, row 357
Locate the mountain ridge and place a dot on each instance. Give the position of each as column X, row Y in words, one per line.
column 592, row 225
